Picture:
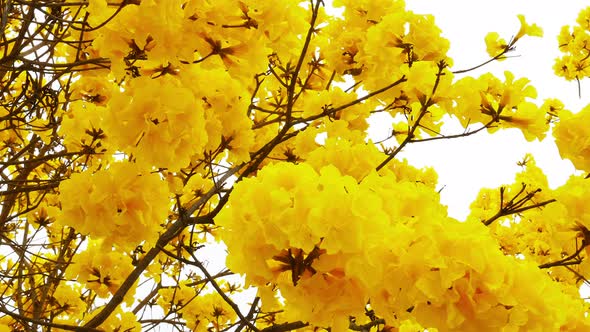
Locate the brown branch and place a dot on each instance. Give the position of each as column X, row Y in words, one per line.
column 464, row 134
column 352, row 103
column 295, row 76
column 513, row 207
column 566, row 260
column 423, row 110
column 46, row 323
column 27, row 189
column 366, row 327
column 250, row 314
column 508, row 48
column 285, row 327
column 147, row 299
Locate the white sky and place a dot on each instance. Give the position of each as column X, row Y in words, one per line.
column 468, row 164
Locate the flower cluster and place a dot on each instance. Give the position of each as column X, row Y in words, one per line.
column 331, row 244
column 122, row 205
column 572, row 137
column 573, row 42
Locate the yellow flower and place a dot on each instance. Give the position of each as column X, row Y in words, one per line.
column 530, row 119
column 68, row 300
column 159, row 121
column 129, row 204
column 527, row 29
column 583, row 19
column 515, row 91
column 572, row 136
column 495, row 45
column 101, row 269
column 421, row 78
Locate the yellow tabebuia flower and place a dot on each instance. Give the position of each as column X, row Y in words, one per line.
column 200, row 311
column 530, row 119
column 122, row 204
column 572, row 136
column 101, row 269
column 83, row 127
column 68, row 301
column 527, row 29
column 99, row 11
column 500, row 104
column 515, row 91
column 574, row 195
column 495, row 45
column 119, row 320
column 572, row 42
column 158, row 121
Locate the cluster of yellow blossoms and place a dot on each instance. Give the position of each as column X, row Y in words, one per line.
column 573, row 42
column 319, row 217
column 119, row 204
column 201, row 311
column 572, row 137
